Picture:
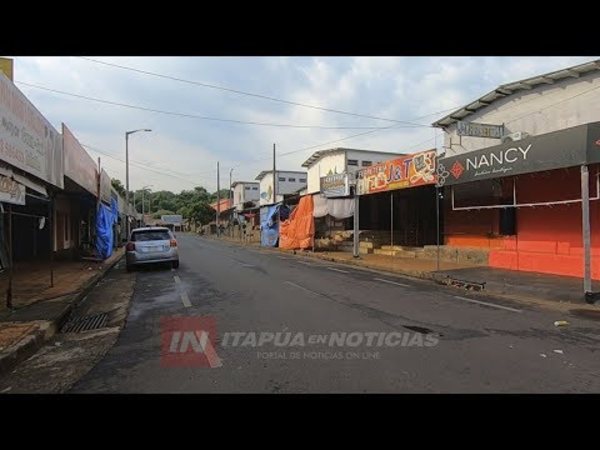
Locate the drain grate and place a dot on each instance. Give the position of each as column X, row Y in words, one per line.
column 85, row 323
column 466, row 284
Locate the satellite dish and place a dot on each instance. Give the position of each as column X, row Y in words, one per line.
column 42, row 223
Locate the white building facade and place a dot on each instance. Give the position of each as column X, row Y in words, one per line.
column 287, row 181
column 243, row 192
column 534, row 106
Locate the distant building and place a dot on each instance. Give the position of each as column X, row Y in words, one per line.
column 288, row 182
column 245, row 192
column 338, row 161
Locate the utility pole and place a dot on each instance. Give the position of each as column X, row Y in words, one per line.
column 218, row 201
column 230, row 191
column 585, row 216
column 274, row 178
column 355, row 234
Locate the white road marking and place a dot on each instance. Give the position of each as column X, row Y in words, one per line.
column 247, row 265
column 185, row 300
column 338, row 270
column 301, row 287
column 183, row 295
column 391, row 282
column 487, row 304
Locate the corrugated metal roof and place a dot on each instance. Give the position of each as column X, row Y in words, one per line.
column 235, row 183
column 508, row 89
column 321, row 153
column 264, row 172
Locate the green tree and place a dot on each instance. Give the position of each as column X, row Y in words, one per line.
column 118, row 186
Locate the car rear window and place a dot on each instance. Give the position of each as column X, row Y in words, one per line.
column 151, row 235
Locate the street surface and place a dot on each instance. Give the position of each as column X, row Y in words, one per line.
column 493, row 347
column 287, row 324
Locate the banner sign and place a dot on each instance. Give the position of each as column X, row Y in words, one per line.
column 11, row 191
column 27, row 140
column 79, row 165
column 560, row 149
column 407, row 171
column 174, row 219
column 336, row 185
column 482, row 130
column 105, row 185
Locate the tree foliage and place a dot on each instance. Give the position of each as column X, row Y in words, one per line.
column 193, row 204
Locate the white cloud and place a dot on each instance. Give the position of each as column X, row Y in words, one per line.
column 187, row 149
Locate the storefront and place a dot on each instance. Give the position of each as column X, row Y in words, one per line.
column 75, row 212
column 526, row 202
column 31, row 171
column 397, row 201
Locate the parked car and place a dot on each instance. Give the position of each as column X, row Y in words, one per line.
column 150, row 245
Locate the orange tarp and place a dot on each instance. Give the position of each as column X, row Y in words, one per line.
column 299, row 230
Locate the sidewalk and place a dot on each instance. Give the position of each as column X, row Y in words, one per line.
column 558, row 292
column 38, row 309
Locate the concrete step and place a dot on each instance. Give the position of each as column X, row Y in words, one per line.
column 478, row 256
column 403, row 248
column 380, row 251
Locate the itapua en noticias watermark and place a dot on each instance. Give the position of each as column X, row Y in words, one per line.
column 193, row 342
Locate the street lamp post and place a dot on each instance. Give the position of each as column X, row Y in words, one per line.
column 127, row 133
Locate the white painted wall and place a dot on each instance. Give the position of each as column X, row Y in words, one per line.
column 283, row 187
column 245, row 192
column 336, row 162
column 543, row 109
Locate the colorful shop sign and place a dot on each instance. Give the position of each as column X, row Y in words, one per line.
column 407, row 171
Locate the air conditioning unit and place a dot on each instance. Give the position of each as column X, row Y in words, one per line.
column 516, row 136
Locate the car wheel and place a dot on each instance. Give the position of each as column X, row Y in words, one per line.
column 175, row 264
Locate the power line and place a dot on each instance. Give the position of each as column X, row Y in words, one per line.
column 141, row 166
column 349, row 137
column 250, row 94
column 194, row 116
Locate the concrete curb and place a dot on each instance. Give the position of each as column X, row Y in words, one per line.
column 30, row 344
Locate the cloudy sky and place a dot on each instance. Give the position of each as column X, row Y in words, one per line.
column 182, row 150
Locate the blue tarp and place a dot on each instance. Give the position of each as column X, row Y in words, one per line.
column 105, row 219
column 269, row 224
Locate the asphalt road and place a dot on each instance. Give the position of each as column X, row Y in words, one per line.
column 433, row 339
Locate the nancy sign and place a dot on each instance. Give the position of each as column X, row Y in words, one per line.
column 407, row 171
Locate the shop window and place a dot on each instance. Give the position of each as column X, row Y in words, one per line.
column 281, row 178
column 292, row 180
column 508, row 221
column 247, row 188
column 302, row 180
column 479, row 193
column 366, row 163
column 353, row 162
column 255, row 188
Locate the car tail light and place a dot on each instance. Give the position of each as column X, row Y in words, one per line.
column 173, row 243
column 130, row 246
